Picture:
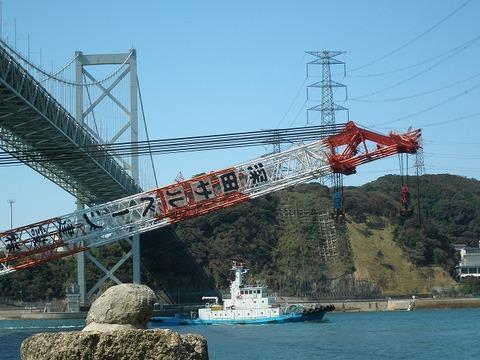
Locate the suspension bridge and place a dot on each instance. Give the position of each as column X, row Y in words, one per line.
column 36, row 114
column 94, row 154
column 31, row 120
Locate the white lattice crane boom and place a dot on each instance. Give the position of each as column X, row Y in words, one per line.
column 102, row 224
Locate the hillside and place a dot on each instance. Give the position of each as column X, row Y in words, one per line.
column 282, row 238
column 397, row 254
column 378, row 258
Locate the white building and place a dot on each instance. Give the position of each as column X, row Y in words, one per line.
column 469, row 261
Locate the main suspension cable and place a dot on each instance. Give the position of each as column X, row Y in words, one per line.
column 54, row 77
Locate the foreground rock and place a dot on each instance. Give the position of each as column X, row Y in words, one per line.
column 115, row 329
column 125, row 344
column 124, row 306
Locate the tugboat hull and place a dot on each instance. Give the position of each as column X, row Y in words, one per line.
column 315, row 314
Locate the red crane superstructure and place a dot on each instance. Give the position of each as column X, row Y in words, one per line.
column 34, row 244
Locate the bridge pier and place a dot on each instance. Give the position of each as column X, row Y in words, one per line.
column 136, row 276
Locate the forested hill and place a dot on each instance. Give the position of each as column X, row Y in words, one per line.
column 449, row 213
column 277, row 247
column 282, row 239
column 450, row 203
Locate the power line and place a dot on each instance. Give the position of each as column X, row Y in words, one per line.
column 456, row 143
column 462, row 48
column 459, row 118
column 453, row 168
column 450, row 156
column 294, row 99
column 423, row 62
column 433, row 106
column 430, row 29
column 175, row 145
column 420, row 94
column 293, row 102
column 299, row 112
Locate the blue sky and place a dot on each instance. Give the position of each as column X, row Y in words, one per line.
column 218, row 66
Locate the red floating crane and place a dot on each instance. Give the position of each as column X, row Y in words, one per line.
column 34, row 244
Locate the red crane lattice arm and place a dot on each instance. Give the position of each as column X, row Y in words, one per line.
column 102, row 224
column 356, row 150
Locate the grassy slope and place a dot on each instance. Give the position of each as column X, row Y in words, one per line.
column 377, row 257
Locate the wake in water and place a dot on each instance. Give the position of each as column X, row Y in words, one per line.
column 41, row 327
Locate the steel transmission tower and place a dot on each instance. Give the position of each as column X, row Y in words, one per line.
column 327, row 109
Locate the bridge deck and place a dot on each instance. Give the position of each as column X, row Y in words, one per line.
column 32, row 120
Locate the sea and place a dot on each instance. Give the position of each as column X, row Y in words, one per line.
column 420, row 334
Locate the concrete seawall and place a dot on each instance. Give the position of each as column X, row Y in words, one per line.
column 447, row 303
column 32, row 315
column 340, row 305
column 403, row 304
column 394, row 304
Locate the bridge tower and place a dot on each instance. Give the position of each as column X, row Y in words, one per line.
column 84, row 107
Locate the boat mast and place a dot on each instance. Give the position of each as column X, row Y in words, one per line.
column 239, row 271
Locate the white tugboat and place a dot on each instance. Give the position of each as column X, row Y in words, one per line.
column 248, row 304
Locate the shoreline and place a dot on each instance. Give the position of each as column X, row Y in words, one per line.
column 340, row 306
column 404, row 304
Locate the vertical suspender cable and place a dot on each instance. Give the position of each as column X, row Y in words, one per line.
column 93, row 112
column 146, row 133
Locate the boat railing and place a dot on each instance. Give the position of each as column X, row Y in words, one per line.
column 215, row 298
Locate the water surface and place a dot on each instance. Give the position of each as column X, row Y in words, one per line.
column 421, row 334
